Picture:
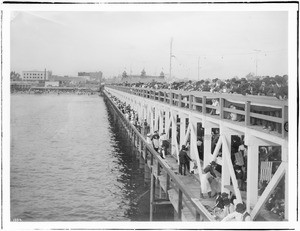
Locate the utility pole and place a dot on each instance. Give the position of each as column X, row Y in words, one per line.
column 198, row 67
column 256, row 62
column 171, row 55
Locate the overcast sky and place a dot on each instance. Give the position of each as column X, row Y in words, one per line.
column 225, row 44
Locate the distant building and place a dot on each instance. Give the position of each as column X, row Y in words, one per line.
column 52, row 84
column 36, row 75
column 86, row 77
column 66, row 80
column 91, row 76
column 143, row 78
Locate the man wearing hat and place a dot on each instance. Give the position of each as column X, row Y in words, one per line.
column 183, row 160
column 240, row 214
column 208, row 173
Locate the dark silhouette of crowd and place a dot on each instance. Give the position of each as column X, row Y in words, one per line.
column 266, row 86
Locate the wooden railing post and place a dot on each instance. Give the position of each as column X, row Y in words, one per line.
column 179, row 204
column 204, row 105
column 151, row 162
column 191, row 99
column 171, row 98
column 285, row 118
column 247, row 113
column 168, row 185
column 152, row 195
column 222, row 105
column 179, row 100
column 158, row 168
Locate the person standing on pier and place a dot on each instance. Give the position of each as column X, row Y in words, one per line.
column 163, row 142
column 155, row 141
column 183, row 160
column 208, row 174
column 146, row 127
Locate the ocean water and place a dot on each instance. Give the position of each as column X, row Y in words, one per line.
column 70, row 163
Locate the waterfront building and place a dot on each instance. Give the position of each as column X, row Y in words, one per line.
column 20, row 85
column 143, row 78
column 52, row 84
column 36, row 75
column 67, row 81
column 91, row 76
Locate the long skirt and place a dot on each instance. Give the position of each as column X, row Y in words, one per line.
column 204, row 183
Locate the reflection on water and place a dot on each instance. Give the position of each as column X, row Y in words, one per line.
column 68, row 163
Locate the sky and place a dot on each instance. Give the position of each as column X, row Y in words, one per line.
column 205, row 44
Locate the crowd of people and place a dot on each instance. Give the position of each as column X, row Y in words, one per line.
column 226, row 207
column 267, row 86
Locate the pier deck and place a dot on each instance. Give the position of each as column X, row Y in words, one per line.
column 184, row 191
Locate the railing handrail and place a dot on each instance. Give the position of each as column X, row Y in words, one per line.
column 264, row 100
column 248, row 102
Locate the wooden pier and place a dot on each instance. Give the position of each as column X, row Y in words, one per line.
column 167, row 110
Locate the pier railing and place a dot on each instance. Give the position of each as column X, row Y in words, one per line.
column 249, row 110
column 172, row 180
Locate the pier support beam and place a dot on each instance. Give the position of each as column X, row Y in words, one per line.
column 225, row 166
column 174, row 147
column 252, row 170
column 161, row 121
column 183, row 118
column 207, row 143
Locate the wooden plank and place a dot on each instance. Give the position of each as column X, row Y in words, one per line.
column 266, row 117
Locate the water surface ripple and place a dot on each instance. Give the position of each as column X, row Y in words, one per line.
column 66, row 161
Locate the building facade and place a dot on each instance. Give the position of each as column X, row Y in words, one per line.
column 36, row 75
column 91, row 76
column 142, row 78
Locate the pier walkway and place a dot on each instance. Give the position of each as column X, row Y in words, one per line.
column 186, row 116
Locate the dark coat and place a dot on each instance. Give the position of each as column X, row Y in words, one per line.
column 183, row 157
